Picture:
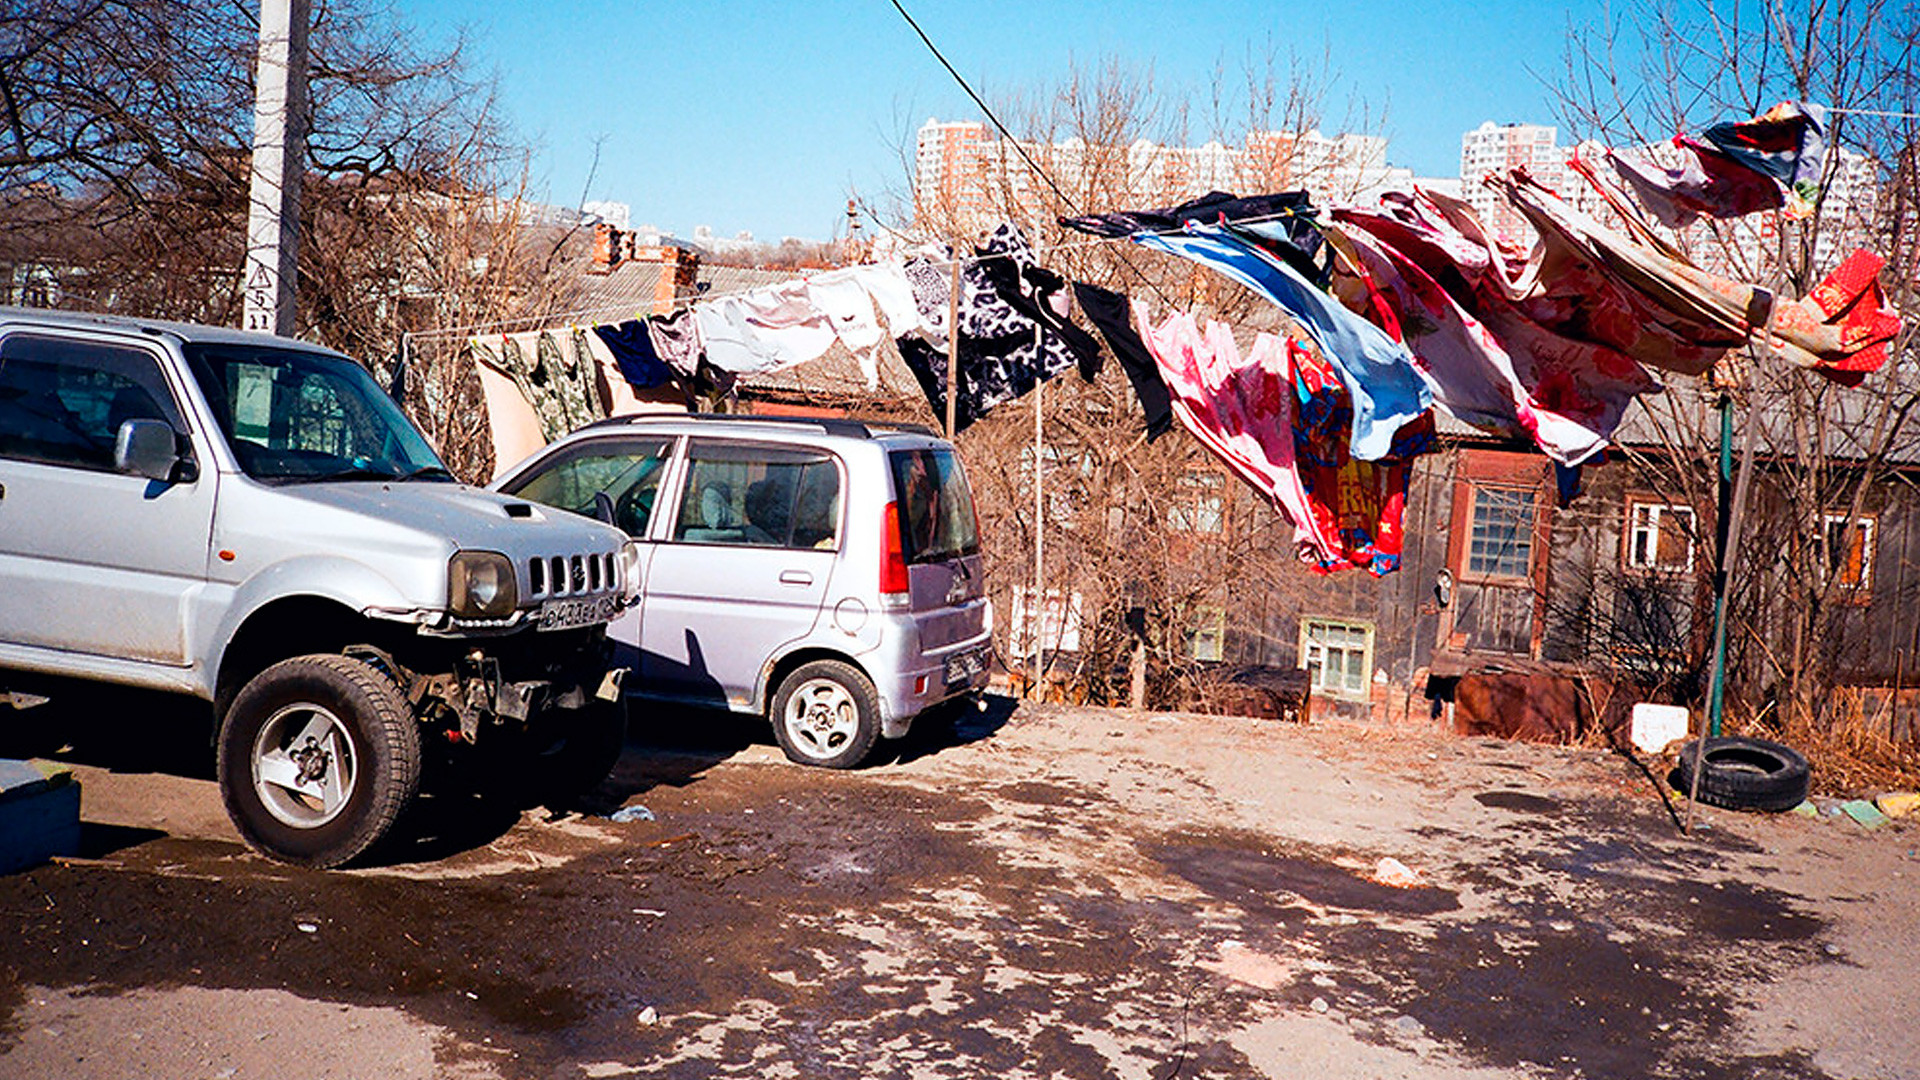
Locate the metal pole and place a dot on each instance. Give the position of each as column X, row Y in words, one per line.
column 279, row 156
column 1717, row 692
column 953, row 341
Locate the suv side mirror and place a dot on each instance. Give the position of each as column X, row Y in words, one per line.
column 146, row 448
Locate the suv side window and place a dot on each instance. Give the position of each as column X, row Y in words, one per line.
column 627, row 471
column 62, row 400
column 755, row 495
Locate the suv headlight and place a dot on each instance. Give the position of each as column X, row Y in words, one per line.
column 630, row 572
column 480, row 585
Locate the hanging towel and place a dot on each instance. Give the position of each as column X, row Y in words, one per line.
column 1108, row 311
column 1289, row 215
column 1386, row 390
column 1685, row 179
column 761, row 330
column 1787, row 142
column 676, row 340
column 631, row 344
column 1567, row 397
column 1359, row 505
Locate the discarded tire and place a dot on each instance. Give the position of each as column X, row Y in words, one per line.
column 1745, row 774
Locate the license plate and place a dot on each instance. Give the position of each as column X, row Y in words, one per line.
column 964, row 667
column 567, row 614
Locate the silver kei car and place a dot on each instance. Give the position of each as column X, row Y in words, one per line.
column 823, row 573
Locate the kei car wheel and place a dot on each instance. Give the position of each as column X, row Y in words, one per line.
column 317, row 759
column 826, row 713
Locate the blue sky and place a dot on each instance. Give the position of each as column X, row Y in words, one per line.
column 764, row 116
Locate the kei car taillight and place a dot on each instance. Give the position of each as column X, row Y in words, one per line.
column 893, row 558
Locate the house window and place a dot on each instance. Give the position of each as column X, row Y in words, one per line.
column 1057, row 626
column 1207, row 640
column 1659, row 537
column 1501, row 541
column 1849, row 550
column 1339, row 653
column 1199, row 503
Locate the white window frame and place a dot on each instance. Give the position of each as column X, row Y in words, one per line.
column 1643, row 536
column 1200, row 504
column 1058, row 624
column 1207, row 641
column 1868, row 525
column 1311, row 651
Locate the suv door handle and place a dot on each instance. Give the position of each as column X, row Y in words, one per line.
column 795, row 577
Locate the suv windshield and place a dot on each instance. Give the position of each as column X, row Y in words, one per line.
column 292, row 415
column 936, row 506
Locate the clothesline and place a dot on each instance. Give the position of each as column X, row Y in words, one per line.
column 688, row 301
column 1873, row 112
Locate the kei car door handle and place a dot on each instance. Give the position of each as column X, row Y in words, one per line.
column 795, row 577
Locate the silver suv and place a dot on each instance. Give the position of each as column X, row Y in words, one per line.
column 253, row 521
column 823, row 573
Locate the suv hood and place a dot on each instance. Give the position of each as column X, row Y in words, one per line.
column 468, row 518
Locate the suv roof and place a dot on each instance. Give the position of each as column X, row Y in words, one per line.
column 86, row 320
column 828, row 425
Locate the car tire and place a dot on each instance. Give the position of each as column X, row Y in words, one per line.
column 826, row 714
column 317, row 759
column 1746, row 774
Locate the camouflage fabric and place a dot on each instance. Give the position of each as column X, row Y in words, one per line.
column 557, row 382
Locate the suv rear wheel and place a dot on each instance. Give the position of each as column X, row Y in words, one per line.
column 826, row 713
column 318, row 757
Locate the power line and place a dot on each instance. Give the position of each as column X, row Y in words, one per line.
column 1008, row 135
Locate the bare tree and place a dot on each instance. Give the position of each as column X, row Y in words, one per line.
column 1829, row 457
column 1149, row 543
column 124, row 135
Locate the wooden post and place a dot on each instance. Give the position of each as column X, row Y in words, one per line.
column 1732, row 518
column 1039, row 529
column 953, row 341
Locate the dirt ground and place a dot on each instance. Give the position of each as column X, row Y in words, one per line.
column 1043, row 891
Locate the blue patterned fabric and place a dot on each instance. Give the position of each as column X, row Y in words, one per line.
column 1379, row 373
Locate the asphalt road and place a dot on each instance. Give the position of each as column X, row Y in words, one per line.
column 1041, row 892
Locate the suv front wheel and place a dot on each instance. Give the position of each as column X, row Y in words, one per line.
column 318, row 757
column 826, row 713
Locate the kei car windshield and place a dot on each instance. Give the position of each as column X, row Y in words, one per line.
column 936, row 505
column 294, row 416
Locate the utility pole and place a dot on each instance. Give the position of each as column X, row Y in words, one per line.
column 279, row 155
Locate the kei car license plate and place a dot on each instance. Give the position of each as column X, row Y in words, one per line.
column 567, row 614
column 963, row 667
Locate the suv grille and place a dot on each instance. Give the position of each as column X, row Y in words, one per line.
column 571, row 575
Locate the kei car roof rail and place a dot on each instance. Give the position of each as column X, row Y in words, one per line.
column 832, row 425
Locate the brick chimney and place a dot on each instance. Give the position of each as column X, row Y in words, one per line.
column 610, row 246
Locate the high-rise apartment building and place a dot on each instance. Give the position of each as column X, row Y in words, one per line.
column 1496, row 148
column 965, row 178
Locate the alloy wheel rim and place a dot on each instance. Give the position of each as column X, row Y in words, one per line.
column 822, row 717
column 304, row 766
